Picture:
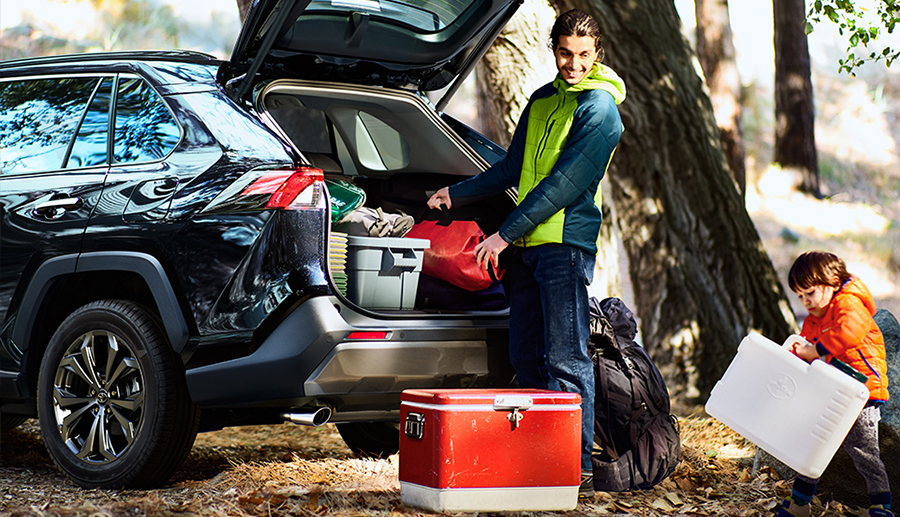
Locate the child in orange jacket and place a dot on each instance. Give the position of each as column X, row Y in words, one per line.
column 840, row 326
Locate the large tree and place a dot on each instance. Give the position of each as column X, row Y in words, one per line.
column 700, row 274
column 795, row 140
column 715, row 49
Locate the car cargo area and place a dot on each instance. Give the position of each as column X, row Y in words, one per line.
column 384, row 153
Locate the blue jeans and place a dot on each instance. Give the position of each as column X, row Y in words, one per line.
column 549, row 326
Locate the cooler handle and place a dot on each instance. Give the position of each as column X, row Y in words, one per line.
column 794, row 338
column 513, row 404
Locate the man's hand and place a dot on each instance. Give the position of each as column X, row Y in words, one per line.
column 489, row 250
column 441, row 197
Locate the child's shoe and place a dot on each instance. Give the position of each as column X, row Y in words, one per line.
column 791, row 509
column 879, row 511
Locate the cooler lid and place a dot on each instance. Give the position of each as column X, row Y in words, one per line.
column 500, row 399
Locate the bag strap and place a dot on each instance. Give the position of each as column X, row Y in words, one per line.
column 602, row 435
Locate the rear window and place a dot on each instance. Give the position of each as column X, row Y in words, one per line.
column 145, row 129
column 38, row 119
column 422, row 15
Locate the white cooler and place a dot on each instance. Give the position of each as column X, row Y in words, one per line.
column 796, row 411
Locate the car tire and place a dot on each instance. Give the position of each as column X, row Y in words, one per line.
column 371, row 439
column 113, row 405
column 8, row 423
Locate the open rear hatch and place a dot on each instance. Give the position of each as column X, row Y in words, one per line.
column 343, row 81
column 422, row 45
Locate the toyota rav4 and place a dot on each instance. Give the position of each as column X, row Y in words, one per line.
column 169, row 264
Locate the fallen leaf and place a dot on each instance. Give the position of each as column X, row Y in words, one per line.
column 674, row 499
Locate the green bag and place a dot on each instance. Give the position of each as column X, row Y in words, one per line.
column 345, row 198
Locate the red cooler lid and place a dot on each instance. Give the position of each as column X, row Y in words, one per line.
column 504, row 397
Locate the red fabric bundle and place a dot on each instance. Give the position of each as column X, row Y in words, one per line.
column 451, row 256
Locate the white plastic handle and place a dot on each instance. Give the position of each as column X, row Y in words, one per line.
column 795, row 338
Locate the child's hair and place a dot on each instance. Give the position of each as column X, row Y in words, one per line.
column 817, row 268
column 579, row 24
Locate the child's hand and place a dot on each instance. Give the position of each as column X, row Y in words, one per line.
column 805, row 350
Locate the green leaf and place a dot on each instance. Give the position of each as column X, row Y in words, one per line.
column 854, row 40
column 808, row 28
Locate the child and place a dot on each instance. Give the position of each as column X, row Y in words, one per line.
column 840, row 326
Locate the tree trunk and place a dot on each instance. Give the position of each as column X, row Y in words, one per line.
column 518, row 63
column 715, row 49
column 701, row 277
column 243, row 8
column 795, row 140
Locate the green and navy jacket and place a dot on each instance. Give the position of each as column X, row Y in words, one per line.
column 560, row 151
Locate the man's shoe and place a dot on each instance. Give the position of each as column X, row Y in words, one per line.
column 879, row 511
column 586, row 489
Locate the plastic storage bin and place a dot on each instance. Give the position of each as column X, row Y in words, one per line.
column 798, row 412
column 383, row 272
column 471, row 450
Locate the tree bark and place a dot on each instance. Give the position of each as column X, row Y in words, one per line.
column 715, row 50
column 795, row 141
column 701, row 277
column 518, row 63
column 243, row 8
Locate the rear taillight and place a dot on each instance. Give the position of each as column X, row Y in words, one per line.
column 291, row 189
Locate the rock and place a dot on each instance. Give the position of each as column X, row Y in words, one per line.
column 789, row 236
column 841, row 482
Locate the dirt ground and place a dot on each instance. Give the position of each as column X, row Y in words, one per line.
column 286, row 470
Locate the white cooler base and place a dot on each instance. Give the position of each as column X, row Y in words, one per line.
column 798, row 412
column 499, row 499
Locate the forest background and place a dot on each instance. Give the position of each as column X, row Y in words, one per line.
column 857, row 128
column 857, row 132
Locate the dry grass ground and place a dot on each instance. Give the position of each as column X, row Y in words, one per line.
column 285, row 470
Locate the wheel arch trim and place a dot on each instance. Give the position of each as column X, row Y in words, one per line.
column 146, row 266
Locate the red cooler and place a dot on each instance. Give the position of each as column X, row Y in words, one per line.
column 490, row 450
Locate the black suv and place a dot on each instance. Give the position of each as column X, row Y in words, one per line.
column 168, row 256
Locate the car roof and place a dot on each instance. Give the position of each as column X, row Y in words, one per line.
column 161, row 67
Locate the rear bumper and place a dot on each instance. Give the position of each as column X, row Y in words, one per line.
column 309, row 360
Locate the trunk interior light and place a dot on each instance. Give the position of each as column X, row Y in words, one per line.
column 367, row 335
column 292, row 189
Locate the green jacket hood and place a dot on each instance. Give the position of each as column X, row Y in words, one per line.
column 601, row 77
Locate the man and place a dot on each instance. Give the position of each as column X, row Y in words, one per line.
column 560, row 151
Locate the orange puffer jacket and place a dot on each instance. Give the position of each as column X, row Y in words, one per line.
column 849, row 333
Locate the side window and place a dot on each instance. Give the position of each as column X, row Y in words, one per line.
column 91, row 143
column 38, row 118
column 145, row 130
column 380, row 147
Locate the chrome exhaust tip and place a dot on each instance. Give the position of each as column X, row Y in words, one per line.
column 312, row 417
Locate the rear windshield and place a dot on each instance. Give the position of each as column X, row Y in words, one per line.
column 421, row 15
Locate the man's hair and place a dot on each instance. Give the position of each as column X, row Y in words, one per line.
column 817, row 268
column 577, row 23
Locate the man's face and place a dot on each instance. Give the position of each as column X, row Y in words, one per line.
column 575, row 56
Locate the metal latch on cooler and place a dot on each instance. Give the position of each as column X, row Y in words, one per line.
column 513, row 404
column 414, row 427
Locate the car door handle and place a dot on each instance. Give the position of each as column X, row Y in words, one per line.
column 56, row 208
